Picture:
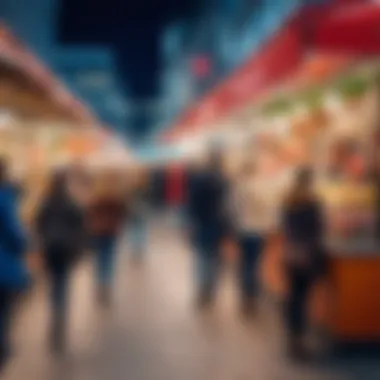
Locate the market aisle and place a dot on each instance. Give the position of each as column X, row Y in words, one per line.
column 153, row 333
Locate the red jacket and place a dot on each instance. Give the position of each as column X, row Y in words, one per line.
column 106, row 216
column 175, row 180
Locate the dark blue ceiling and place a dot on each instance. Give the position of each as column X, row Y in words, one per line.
column 132, row 28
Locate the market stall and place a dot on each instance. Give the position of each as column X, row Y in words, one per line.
column 332, row 129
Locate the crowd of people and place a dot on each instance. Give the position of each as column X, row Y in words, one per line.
column 76, row 217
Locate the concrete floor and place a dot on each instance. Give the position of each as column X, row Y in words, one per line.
column 153, row 332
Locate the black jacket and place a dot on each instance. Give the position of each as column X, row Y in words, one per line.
column 303, row 223
column 303, row 226
column 207, row 200
column 61, row 232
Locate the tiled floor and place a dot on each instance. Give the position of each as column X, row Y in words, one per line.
column 153, row 332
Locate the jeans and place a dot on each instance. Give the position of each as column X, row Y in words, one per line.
column 59, row 284
column 296, row 305
column 251, row 246
column 105, row 250
column 59, row 304
column 207, row 250
column 5, row 319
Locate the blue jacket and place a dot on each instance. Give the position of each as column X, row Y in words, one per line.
column 13, row 271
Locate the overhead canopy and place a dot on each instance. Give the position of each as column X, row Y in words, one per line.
column 26, row 99
column 24, row 67
column 354, row 28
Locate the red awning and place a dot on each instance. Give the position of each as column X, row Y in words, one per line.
column 354, row 29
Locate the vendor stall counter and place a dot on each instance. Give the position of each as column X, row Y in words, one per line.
column 354, row 283
column 346, row 303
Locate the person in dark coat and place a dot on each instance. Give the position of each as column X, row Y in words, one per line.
column 13, row 272
column 61, row 234
column 303, row 228
column 206, row 211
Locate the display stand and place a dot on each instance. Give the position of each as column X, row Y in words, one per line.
column 354, row 307
column 346, row 302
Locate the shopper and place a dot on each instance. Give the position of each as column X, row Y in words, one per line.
column 139, row 215
column 304, row 256
column 61, row 233
column 254, row 218
column 206, row 207
column 13, row 272
column 107, row 218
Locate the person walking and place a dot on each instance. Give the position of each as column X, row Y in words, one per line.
column 62, row 237
column 206, row 210
column 255, row 218
column 139, row 215
column 106, row 217
column 14, row 276
column 303, row 228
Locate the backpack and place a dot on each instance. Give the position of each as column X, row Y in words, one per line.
column 61, row 236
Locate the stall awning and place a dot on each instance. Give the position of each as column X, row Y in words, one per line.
column 15, row 53
column 354, row 28
column 313, row 69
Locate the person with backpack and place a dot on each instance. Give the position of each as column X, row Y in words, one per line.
column 61, row 234
column 14, row 276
